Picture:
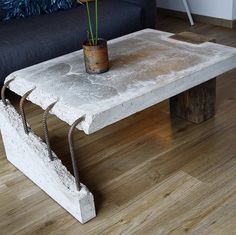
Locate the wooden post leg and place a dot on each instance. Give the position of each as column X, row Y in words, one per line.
column 196, row 104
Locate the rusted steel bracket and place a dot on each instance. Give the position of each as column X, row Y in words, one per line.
column 22, row 111
column 45, row 128
column 4, row 90
column 72, row 152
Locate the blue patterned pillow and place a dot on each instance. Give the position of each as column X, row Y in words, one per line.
column 49, row 6
column 20, row 8
column 23, row 8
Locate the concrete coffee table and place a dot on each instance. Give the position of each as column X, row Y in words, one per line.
column 147, row 67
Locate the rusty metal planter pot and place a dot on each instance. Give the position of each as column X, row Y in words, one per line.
column 96, row 57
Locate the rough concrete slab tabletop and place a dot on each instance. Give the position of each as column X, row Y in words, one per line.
column 147, row 67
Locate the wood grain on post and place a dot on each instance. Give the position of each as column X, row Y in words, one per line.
column 198, row 103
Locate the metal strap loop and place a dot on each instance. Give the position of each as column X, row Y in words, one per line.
column 45, row 128
column 4, row 90
column 22, row 111
column 72, row 152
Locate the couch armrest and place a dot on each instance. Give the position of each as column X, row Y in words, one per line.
column 149, row 11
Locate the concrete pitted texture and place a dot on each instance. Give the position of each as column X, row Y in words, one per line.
column 147, row 67
column 29, row 154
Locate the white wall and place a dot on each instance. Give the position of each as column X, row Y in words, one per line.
column 234, row 9
column 225, row 9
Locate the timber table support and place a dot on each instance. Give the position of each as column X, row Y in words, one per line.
column 198, row 103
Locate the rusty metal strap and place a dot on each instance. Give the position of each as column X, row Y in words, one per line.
column 3, row 91
column 45, row 128
column 72, row 152
column 22, row 111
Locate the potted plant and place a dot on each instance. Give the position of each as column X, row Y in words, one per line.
column 95, row 48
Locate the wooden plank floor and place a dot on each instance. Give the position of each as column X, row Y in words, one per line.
column 149, row 174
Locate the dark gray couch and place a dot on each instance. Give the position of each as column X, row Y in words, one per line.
column 32, row 40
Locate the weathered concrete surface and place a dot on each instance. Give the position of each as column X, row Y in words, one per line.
column 29, row 154
column 146, row 68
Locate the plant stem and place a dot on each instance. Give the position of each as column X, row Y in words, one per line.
column 96, row 12
column 89, row 21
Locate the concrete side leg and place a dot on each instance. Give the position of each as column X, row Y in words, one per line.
column 29, row 154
